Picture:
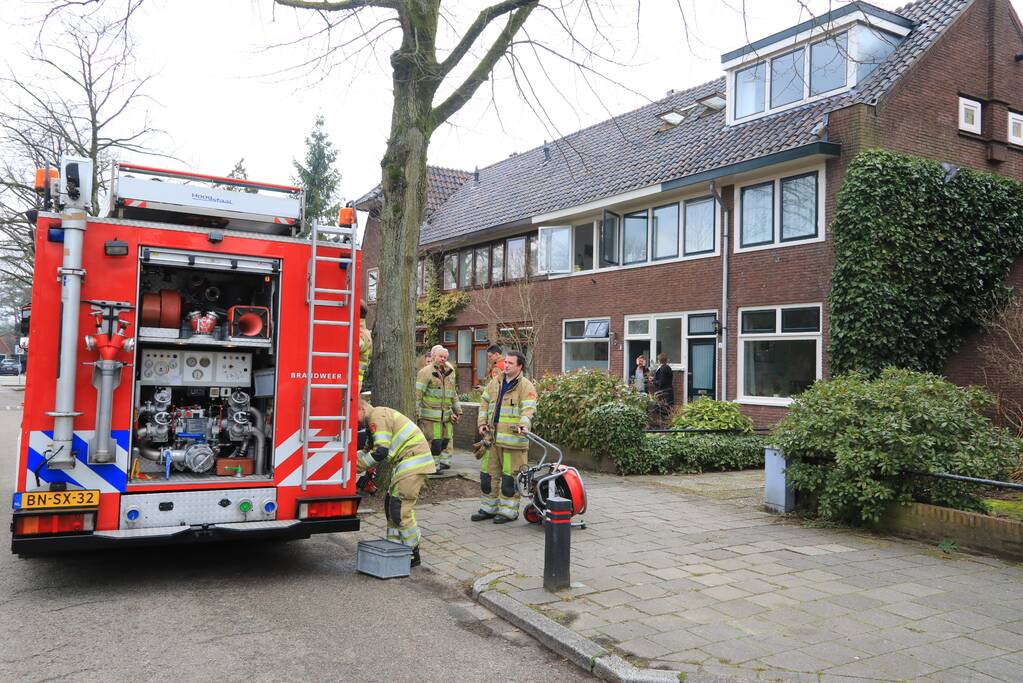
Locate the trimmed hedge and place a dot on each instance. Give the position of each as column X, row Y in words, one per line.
column 693, row 454
column 920, row 260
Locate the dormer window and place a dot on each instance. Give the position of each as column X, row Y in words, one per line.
column 820, row 58
column 750, row 85
column 829, row 64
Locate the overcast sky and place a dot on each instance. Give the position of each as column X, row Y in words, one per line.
column 220, row 96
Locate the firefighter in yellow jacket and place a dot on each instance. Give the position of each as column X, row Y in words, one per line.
column 437, row 406
column 395, row 439
column 506, row 412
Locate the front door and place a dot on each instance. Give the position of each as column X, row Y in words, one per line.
column 701, row 368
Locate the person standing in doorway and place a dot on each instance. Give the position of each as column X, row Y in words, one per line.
column 664, row 392
column 641, row 376
column 506, row 413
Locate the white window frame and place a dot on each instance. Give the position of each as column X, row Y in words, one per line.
column 565, row 342
column 372, row 280
column 650, row 261
column 853, row 24
column 651, row 335
column 544, row 235
column 740, row 373
column 444, row 272
column 966, row 104
column 1014, row 117
column 776, row 241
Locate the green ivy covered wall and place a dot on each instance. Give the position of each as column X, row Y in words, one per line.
column 922, row 252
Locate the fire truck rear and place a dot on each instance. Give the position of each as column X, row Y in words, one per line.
column 192, row 371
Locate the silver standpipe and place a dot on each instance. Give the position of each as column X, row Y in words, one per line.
column 106, row 377
column 60, row 455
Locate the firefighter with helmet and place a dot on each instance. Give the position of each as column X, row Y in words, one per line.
column 394, row 439
column 437, row 405
column 506, row 413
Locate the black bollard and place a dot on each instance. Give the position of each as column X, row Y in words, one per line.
column 558, row 542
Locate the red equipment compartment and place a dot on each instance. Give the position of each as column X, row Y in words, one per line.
column 116, row 278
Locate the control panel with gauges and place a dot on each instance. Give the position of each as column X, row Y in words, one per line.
column 174, row 368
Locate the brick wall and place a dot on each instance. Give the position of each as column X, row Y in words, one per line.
column 975, row 58
column 919, row 116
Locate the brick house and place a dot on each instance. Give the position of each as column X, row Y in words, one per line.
column 698, row 225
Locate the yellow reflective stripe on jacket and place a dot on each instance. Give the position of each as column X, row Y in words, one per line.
column 412, row 464
column 381, row 438
column 512, row 440
column 432, row 414
column 366, row 461
column 408, row 435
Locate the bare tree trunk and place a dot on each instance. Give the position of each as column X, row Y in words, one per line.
column 404, row 187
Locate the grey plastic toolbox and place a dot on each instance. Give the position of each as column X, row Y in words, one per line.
column 383, row 559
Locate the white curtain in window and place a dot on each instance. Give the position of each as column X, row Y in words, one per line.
column 556, row 249
column 749, row 90
column 699, row 226
column 757, row 214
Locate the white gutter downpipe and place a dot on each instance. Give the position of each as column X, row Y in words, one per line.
column 722, row 392
column 75, row 193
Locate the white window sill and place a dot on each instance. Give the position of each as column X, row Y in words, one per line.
column 779, row 245
column 631, row 266
column 764, row 401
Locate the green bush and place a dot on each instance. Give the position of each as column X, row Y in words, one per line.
column 563, row 402
column 615, row 430
column 920, row 260
column 852, row 443
column 706, row 413
column 696, row 453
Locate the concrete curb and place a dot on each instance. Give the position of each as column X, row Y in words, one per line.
column 581, row 651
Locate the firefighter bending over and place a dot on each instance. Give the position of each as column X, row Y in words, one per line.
column 506, row 412
column 394, row 439
column 437, row 405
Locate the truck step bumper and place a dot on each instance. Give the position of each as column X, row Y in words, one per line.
column 29, row 546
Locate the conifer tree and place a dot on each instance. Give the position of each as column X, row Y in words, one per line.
column 318, row 175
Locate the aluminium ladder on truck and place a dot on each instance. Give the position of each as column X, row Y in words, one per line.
column 312, row 441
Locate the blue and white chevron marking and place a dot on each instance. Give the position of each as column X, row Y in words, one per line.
column 106, row 478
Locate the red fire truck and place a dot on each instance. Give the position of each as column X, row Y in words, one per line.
column 193, row 362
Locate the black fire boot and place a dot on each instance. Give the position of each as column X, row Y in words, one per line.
column 416, row 560
column 481, row 516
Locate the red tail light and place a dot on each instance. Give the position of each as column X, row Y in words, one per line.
column 61, row 523
column 319, row 509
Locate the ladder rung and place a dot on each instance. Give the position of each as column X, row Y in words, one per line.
column 330, row 354
column 329, row 386
column 322, row 290
column 322, row 482
column 335, row 230
column 338, row 323
column 335, row 304
column 326, row 417
column 334, row 259
column 323, row 449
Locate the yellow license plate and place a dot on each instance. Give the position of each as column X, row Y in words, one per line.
column 41, row 500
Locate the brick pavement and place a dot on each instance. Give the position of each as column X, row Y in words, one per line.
column 685, row 573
